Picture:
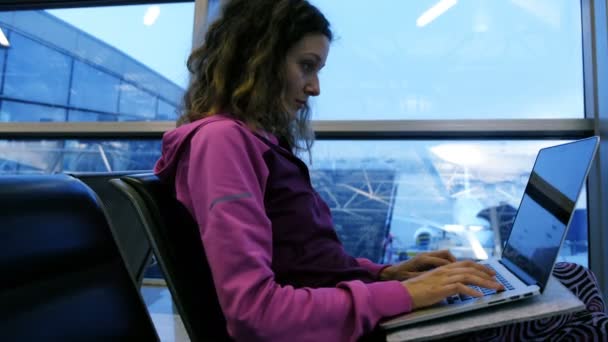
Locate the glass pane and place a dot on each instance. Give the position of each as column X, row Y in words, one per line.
column 35, row 72
column 137, row 102
column 53, row 156
column 73, row 60
column 166, row 111
column 389, row 199
column 476, row 60
column 89, row 116
column 21, row 112
column 3, row 52
column 93, row 89
column 393, row 199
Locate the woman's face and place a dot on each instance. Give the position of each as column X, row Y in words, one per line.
column 303, row 63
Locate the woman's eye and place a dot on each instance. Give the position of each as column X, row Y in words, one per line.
column 307, row 66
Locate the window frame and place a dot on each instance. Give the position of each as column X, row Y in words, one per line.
column 595, row 70
column 16, row 5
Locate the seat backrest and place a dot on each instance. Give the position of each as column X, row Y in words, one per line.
column 124, row 221
column 63, row 277
column 176, row 242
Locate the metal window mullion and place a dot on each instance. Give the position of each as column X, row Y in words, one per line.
column 201, row 13
column 19, row 5
column 368, row 130
column 450, row 129
column 595, row 63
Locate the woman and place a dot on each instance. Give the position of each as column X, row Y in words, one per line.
column 279, row 269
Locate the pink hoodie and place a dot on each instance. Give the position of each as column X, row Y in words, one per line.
column 279, row 269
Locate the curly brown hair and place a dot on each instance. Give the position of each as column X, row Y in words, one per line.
column 240, row 68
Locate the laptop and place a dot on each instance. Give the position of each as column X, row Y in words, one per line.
column 538, row 232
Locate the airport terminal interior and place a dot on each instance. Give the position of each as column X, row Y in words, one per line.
column 431, row 115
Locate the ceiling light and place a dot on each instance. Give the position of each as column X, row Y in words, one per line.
column 3, row 40
column 434, row 12
column 151, row 15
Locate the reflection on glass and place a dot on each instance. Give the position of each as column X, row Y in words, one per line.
column 111, row 72
column 17, row 111
column 26, row 78
column 55, row 156
column 407, row 197
column 389, row 199
column 475, row 59
column 103, row 96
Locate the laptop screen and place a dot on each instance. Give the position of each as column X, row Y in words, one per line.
column 546, row 207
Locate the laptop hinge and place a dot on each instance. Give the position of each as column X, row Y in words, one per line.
column 519, row 273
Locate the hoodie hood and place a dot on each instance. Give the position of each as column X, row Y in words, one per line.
column 174, row 144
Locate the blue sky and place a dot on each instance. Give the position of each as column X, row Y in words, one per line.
column 478, row 60
column 163, row 46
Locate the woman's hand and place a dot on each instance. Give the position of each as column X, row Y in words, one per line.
column 433, row 286
column 418, row 264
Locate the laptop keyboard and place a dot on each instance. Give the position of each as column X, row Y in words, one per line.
column 485, row 291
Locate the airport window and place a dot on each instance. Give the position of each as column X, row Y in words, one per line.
column 54, row 156
column 134, row 101
column 90, row 116
column 72, row 59
column 3, row 51
column 93, row 89
column 475, row 60
column 35, row 72
column 109, row 156
column 17, row 111
column 393, row 199
column 166, row 111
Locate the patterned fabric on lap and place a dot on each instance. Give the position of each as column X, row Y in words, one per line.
column 588, row 325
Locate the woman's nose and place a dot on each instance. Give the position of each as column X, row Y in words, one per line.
column 313, row 88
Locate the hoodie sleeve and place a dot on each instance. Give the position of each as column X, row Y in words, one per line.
column 226, row 180
column 371, row 266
